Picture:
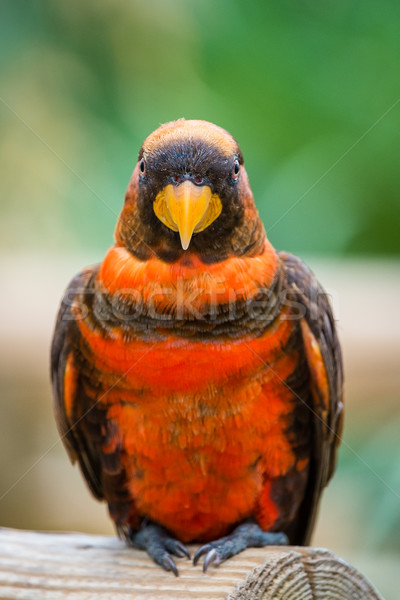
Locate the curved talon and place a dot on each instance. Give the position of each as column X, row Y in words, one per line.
column 176, row 547
column 159, row 545
column 179, row 549
column 168, row 564
column 211, row 558
column 246, row 535
column 203, row 550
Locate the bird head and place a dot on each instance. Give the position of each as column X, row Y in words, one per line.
column 189, row 193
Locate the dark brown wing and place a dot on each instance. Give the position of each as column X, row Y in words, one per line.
column 89, row 435
column 68, row 399
column 324, row 359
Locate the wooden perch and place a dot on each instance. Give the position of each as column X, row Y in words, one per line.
column 52, row 566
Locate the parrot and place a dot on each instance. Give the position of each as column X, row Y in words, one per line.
column 196, row 371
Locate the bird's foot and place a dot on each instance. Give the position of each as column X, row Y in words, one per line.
column 246, row 535
column 159, row 545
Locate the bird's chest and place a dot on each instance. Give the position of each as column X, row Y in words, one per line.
column 200, row 441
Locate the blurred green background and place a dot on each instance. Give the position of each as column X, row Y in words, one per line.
column 298, row 84
column 311, row 91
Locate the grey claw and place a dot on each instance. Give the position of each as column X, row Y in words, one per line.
column 179, row 550
column 211, row 558
column 169, row 565
column 182, row 551
column 200, row 552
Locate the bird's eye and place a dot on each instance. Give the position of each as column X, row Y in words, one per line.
column 235, row 169
column 142, row 167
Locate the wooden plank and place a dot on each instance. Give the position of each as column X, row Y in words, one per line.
column 69, row 566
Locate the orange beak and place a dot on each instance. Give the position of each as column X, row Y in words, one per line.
column 187, row 208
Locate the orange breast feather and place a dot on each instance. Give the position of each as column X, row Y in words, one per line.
column 202, row 422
